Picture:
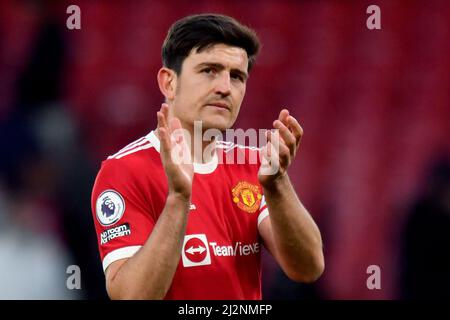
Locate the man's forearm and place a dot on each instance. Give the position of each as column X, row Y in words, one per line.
column 297, row 237
column 149, row 273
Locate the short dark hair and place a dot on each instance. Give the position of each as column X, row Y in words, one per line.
column 202, row 31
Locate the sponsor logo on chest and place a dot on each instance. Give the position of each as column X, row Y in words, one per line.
column 197, row 250
column 238, row 249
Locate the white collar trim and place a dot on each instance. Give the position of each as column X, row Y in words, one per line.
column 201, row 168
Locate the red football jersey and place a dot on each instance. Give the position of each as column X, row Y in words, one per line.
column 221, row 254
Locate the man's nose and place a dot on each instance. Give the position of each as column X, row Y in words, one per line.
column 223, row 85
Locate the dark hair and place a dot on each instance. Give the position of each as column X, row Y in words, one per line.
column 203, row 31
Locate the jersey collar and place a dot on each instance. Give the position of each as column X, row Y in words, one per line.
column 201, row 168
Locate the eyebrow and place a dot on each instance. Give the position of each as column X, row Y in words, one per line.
column 220, row 66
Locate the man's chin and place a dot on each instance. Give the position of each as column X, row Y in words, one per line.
column 215, row 125
column 220, row 124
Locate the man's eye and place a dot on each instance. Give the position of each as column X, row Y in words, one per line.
column 237, row 76
column 208, row 70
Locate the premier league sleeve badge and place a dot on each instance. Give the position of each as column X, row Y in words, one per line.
column 110, row 207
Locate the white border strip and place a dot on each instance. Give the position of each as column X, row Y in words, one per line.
column 122, row 253
column 146, row 146
column 129, row 146
column 264, row 214
column 263, row 202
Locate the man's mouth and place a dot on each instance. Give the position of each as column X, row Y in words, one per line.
column 220, row 105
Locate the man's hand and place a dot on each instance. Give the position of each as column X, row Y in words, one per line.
column 289, row 233
column 286, row 140
column 179, row 174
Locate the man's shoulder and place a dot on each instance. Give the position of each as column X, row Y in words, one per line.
column 133, row 148
column 131, row 171
column 138, row 155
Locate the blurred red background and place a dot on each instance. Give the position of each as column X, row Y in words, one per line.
column 374, row 105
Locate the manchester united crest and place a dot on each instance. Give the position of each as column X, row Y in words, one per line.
column 247, row 196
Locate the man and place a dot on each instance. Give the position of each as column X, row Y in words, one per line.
column 194, row 229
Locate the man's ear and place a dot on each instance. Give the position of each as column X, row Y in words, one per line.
column 167, row 81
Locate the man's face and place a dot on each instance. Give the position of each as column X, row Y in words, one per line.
column 211, row 87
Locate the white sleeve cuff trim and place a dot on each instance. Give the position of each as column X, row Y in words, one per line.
column 118, row 254
column 264, row 214
column 263, row 202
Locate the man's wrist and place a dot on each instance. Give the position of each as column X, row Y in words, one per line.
column 277, row 185
column 179, row 198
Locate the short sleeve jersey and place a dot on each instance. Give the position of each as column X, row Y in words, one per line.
column 221, row 253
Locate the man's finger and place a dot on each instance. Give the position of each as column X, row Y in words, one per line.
column 162, row 116
column 280, row 148
column 274, row 156
column 268, row 135
column 161, row 120
column 296, row 129
column 283, row 116
column 165, row 112
column 165, row 143
column 286, row 135
column 275, row 141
